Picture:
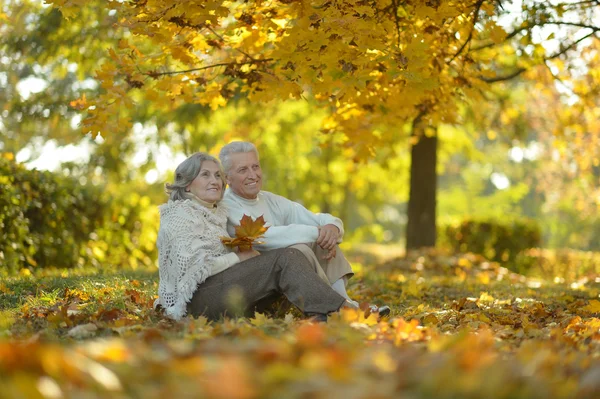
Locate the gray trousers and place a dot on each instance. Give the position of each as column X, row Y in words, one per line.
column 242, row 288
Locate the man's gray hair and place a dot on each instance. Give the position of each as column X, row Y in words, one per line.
column 233, row 148
column 185, row 174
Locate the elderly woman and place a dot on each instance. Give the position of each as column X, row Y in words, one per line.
column 200, row 276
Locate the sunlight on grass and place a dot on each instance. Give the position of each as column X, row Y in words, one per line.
column 474, row 328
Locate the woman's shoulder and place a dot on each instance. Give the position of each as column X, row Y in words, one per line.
column 180, row 209
column 172, row 205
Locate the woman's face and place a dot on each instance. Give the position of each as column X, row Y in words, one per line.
column 208, row 185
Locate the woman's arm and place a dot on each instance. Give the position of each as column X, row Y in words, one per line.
column 226, row 261
column 223, row 262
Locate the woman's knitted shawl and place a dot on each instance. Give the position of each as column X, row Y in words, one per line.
column 188, row 242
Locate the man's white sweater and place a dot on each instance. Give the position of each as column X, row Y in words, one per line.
column 289, row 222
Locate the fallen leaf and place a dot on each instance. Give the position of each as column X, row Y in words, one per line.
column 83, row 331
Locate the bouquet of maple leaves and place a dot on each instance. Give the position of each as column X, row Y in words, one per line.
column 247, row 233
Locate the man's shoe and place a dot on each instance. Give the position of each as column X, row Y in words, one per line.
column 382, row 311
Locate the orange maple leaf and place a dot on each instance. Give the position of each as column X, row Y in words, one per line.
column 246, row 233
column 251, row 228
column 80, row 103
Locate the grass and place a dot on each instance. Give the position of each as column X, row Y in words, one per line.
column 460, row 327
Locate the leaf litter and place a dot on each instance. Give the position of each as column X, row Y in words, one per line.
column 460, row 327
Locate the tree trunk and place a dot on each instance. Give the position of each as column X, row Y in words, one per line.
column 421, row 226
column 327, row 158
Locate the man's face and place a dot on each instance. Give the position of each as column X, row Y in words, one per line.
column 245, row 176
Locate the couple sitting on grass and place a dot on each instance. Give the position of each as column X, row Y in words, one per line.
column 299, row 259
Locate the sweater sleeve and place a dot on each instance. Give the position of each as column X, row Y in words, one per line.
column 292, row 223
column 296, row 214
column 223, row 263
column 284, row 236
column 299, row 225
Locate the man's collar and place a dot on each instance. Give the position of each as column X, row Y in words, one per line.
column 242, row 199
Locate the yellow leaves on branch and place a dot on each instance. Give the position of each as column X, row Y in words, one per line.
column 388, row 62
column 246, row 233
column 80, row 103
column 497, row 33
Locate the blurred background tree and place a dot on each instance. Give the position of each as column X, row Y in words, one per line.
column 516, row 152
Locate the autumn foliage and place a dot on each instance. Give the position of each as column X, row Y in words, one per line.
column 382, row 73
column 461, row 327
column 246, row 233
column 372, row 64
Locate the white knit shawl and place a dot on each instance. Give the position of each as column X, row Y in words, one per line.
column 188, row 242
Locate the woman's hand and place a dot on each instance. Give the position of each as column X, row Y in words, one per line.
column 245, row 255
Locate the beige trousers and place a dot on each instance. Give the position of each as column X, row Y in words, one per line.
column 329, row 270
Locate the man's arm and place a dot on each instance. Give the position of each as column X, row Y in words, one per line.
column 290, row 223
column 284, row 236
column 294, row 213
column 277, row 236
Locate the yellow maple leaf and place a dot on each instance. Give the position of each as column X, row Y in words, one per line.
column 593, row 306
column 260, row 320
column 359, row 316
column 497, row 33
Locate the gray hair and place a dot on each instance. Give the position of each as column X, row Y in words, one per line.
column 185, row 174
column 233, row 148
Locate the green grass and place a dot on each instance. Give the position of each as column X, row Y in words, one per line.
column 47, row 290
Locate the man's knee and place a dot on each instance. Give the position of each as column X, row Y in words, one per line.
column 291, row 256
column 292, row 252
column 307, row 251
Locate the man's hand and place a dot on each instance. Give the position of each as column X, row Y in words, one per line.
column 331, row 254
column 328, row 236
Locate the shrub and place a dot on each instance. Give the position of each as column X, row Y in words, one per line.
column 52, row 221
column 565, row 263
column 500, row 241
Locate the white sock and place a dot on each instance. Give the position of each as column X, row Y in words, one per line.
column 351, row 304
column 340, row 288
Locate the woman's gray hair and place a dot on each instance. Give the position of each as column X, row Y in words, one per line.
column 185, row 174
column 233, row 148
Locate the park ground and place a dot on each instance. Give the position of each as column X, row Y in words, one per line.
column 461, row 327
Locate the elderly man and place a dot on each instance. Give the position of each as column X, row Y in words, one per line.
column 290, row 224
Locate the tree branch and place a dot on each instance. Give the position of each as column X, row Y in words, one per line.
column 396, row 20
column 528, row 27
column 254, row 61
column 519, row 71
column 223, row 40
column 509, row 76
column 570, row 46
column 557, row 78
column 475, row 18
column 509, row 36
